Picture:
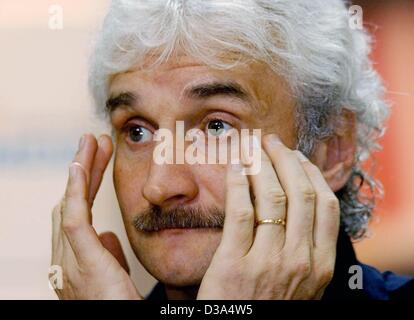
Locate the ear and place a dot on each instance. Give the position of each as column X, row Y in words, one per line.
column 335, row 156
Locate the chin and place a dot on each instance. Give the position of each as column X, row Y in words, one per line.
column 177, row 257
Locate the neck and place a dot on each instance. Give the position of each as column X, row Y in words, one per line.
column 181, row 293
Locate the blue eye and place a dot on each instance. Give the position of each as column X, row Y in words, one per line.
column 139, row 134
column 218, row 127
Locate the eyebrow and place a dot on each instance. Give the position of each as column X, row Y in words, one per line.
column 208, row 90
column 201, row 91
column 127, row 99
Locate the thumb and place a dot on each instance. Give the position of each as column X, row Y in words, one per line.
column 111, row 243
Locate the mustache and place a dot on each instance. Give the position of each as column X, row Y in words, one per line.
column 156, row 218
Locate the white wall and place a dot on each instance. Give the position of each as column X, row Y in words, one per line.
column 44, row 108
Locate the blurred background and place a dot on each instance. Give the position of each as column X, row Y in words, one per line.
column 45, row 107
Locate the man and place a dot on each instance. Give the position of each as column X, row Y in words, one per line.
column 297, row 71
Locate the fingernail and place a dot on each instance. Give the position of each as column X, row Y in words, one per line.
column 301, row 156
column 273, row 139
column 73, row 171
column 81, row 142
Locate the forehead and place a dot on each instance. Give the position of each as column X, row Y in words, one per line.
column 181, row 72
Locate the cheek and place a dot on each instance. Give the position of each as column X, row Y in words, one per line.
column 212, row 182
column 129, row 176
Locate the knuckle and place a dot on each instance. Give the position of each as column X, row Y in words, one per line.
column 300, row 262
column 307, row 193
column 70, row 225
column 302, row 268
column 260, row 274
column 275, row 196
column 332, row 203
column 275, row 262
column 75, row 204
column 243, row 215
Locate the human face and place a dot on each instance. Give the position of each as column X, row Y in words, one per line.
column 156, row 99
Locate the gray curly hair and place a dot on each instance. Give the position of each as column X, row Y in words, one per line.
column 309, row 43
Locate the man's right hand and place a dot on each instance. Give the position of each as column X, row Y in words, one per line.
column 94, row 267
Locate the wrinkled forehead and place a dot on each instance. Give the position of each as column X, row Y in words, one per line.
column 181, row 72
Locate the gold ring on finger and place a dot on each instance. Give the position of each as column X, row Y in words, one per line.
column 280, row 222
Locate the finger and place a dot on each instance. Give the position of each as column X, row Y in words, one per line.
column 56, row 217
column 111, row 243
column 326, row 225
column 101, row 160
column 299, row 190
column 269, row 203
column 76, row 215
column 86, row 154
column 239, row 220
column 82, row 165
column 75, row 218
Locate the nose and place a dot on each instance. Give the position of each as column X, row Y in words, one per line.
column 169, row 185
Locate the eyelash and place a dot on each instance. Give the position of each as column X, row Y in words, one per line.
column 214, row 117
column 203, row 125
column 129, row 125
